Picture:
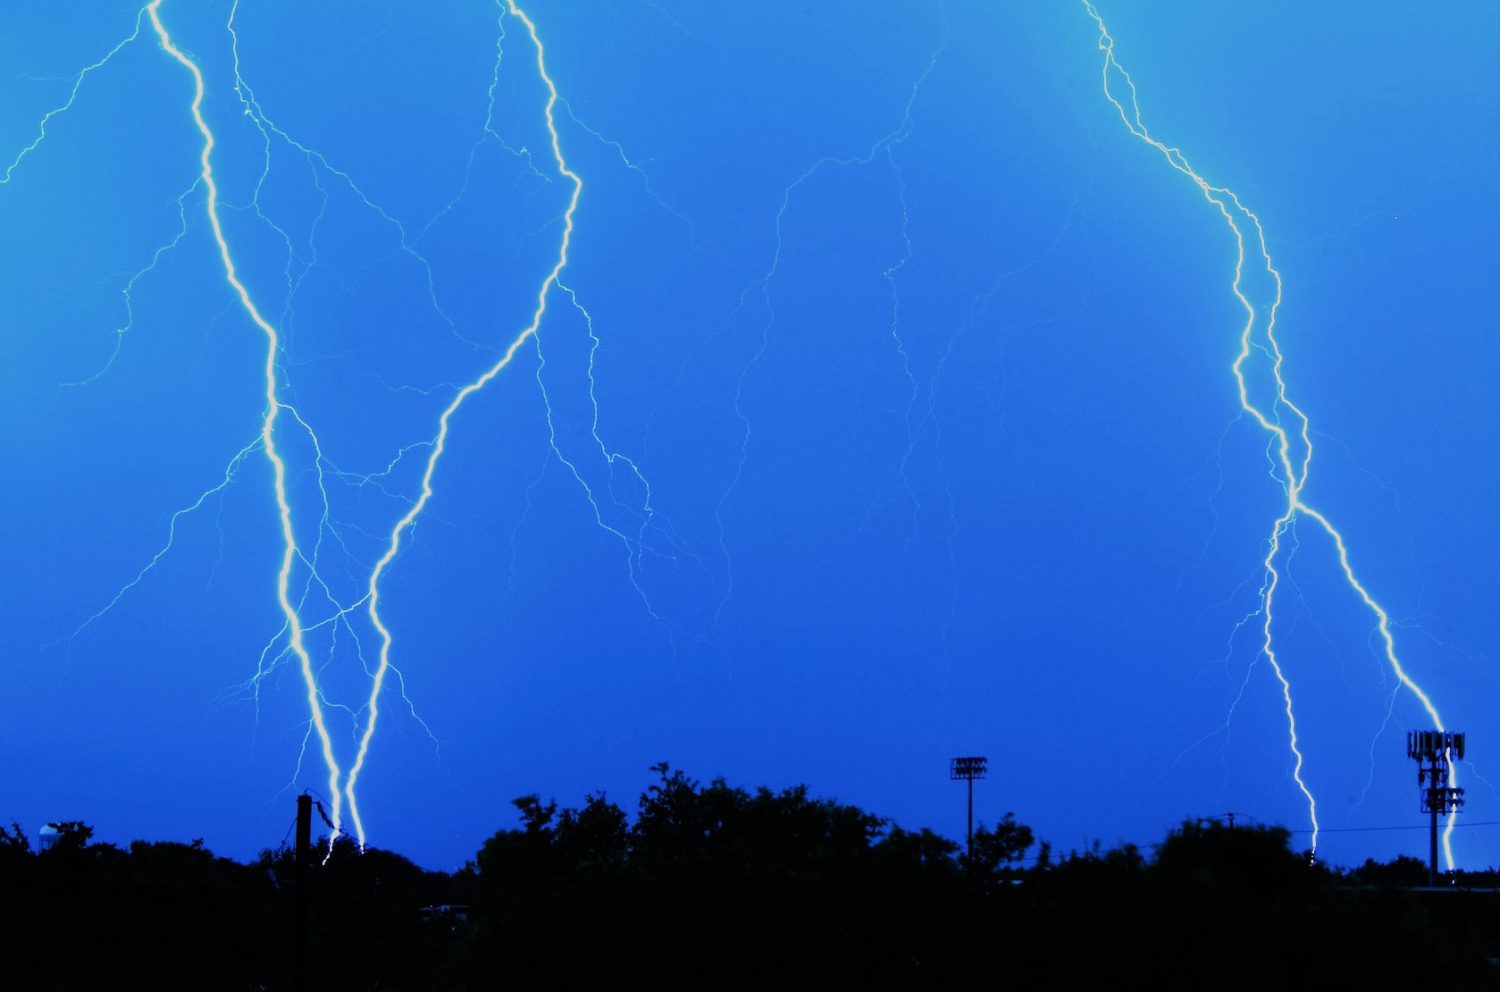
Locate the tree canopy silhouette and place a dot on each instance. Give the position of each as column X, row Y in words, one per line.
column 715, row 886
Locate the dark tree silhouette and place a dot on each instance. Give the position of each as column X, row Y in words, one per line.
column 713, row 886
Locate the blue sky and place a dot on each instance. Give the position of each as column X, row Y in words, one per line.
column 883, row 411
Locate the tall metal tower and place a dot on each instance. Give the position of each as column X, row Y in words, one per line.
column 1434, row 752
column 968, row 769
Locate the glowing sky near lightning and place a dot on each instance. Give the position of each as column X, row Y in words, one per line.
column 880, row 407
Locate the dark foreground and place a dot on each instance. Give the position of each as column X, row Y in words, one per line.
column 712, row 887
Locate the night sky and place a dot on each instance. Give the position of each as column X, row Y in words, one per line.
column 881, row 409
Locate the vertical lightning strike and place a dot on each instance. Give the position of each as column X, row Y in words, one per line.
column 1288, row 444
column 273, row 409
column 441, row 439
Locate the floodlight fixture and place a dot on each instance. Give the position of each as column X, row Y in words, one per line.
column 967, row 769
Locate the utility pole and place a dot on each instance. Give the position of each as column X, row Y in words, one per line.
column 303, row 855
column 968, row 769
column 1434, row 752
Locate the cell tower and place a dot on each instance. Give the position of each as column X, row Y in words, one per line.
column 1434, row 752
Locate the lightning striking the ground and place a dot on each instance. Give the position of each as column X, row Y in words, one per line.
column 1262, row 390
column 268, row 425
column 301, row 587
column 793, row 403
column 440, row 440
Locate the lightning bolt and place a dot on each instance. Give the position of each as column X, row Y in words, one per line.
column 762, row 286
column 273, row 407
column 440, row 440
column 230, row 471
column 1292, row 446
column 310, row 607
column 67, row 105
column 127, row 293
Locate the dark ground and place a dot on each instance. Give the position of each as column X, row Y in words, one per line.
column 710, row 887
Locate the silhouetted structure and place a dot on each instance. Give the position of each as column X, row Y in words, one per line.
column 1434, row 751
column 968, row 769
column 707, row 885
column 303, row 855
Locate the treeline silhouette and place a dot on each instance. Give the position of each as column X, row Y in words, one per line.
column 712, row 886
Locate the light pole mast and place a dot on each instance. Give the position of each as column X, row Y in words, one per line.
column 968, row 769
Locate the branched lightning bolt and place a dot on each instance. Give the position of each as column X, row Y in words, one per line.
column 127, row 293
column 487, row 130
column 290, row 641
column 267, row 127
column 272, row 411
column 1292, row 445
column 76, row 86
column 339, row 617
column 884, row 145
column 229, row 473
column 635, row 166
column 635, row 546
column 83, row 74
column 440, row 440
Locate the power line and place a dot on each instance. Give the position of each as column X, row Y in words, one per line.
column 1419, row 826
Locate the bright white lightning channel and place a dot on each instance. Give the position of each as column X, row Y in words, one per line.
column 1293, row 446
column 268, row 424
column 440, row 440
column 342, row 785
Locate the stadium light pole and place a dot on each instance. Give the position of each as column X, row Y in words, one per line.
column 968, row 769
